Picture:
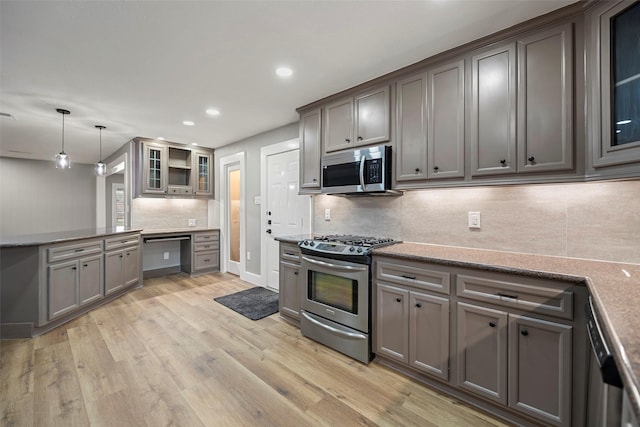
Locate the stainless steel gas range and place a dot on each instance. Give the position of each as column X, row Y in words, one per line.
column 336, row 292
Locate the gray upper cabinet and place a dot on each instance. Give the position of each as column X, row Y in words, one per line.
column 445, row 123
column 372, row 115
column 411, row 119
column 202, row 167
column 310, row 133
column 612, row 66
column 355, row 121
column 154, row 169
column 163, row 169
column 338, row 125
column 545, row 100
column 493, row 111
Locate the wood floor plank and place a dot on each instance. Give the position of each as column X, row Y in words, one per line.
column 167, row 354
column 57, row 397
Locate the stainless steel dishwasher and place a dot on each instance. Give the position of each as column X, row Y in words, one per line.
column 604, row 406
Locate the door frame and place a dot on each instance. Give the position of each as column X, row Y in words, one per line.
column 278, row 148
column 225, row 162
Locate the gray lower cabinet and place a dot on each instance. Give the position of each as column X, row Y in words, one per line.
column 74, row 276
column 413, row 327
column 74, row 283
column 204, row 254
column 516, row 342
column 289, row 280
column 121, row 263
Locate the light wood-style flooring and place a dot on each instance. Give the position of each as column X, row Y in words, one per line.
column 167, row 354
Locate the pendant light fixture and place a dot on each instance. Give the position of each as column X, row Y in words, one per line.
column 100, row 167
column 62, row 159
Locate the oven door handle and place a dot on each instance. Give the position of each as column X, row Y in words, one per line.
column 334, row 330
column 362, row 160
column 335, row 266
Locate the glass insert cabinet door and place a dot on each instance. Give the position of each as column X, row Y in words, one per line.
column 203, row 166
column 625, row 84
column 613, row 56
column 155, row 167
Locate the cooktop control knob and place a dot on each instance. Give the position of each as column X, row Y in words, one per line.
column 351, row 249
column 359, row 250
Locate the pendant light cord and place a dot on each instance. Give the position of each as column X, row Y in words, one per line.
column 101, row 144
column 63, row 132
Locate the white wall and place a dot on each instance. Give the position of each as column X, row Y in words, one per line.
column 35, row 197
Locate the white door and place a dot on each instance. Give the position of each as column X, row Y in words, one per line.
column 285, row 209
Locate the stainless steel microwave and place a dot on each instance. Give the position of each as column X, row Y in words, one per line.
column 362, row 171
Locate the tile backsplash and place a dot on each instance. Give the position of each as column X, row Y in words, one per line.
column 599, row 220
column 162, row 214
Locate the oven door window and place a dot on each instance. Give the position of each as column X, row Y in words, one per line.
column 335, row 291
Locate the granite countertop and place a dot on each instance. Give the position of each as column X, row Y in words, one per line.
column 615, row 289
column 147, row 232
column 62, row 236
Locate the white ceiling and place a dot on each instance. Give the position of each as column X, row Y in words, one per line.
column 142, row 67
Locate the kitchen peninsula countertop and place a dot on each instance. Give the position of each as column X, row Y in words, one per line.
column 615, row 288
column 62, row 236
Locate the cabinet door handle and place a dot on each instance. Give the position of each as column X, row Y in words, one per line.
column 121, row 256
column 295, row 272
column 74, row 268
column 436, row 168
column 85, row 265
column 398, row 299
column 359, row 138
column 417, row 170
column 315, row 179
column 507, row 295
column 493, row 325
column 524, row 332
column 503, row 162
column 531, row 159
column 347, row 140
column 418, row 305
column 409, row 277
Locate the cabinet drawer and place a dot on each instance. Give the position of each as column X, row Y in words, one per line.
column 121, row 241
column 539, row 296
column 205, row 260
column 415, row 274
column 177, row 190
column 199, row 247
column 206, row 237
column 61, row 253
column 290, row 252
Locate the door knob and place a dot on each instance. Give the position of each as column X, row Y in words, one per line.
column 269, row 231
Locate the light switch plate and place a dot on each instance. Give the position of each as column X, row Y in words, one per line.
column 327, row 214
column 474, row 220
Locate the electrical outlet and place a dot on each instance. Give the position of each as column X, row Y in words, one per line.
column 327, row 214
column 192, row 222
column 474, row 220
column 165, row 255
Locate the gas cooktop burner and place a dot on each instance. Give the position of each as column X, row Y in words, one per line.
column 348, row 239
column 344, row 246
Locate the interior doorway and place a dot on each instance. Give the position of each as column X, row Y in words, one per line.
column 232, row 214
column 284, row 212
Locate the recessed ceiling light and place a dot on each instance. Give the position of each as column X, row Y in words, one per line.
column 284, row 71
column 194, row 143
column 213, row 112
column 188, row 123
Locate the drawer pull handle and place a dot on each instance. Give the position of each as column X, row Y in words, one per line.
column 79, row 250
column 85, row 265
column 74, row 268
column 290, row 254
column 295, row 272
column 409, row 277
column 524, row 332
column 507, row 295
column 398, row 299
column 493, row 325
column 207, row 260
